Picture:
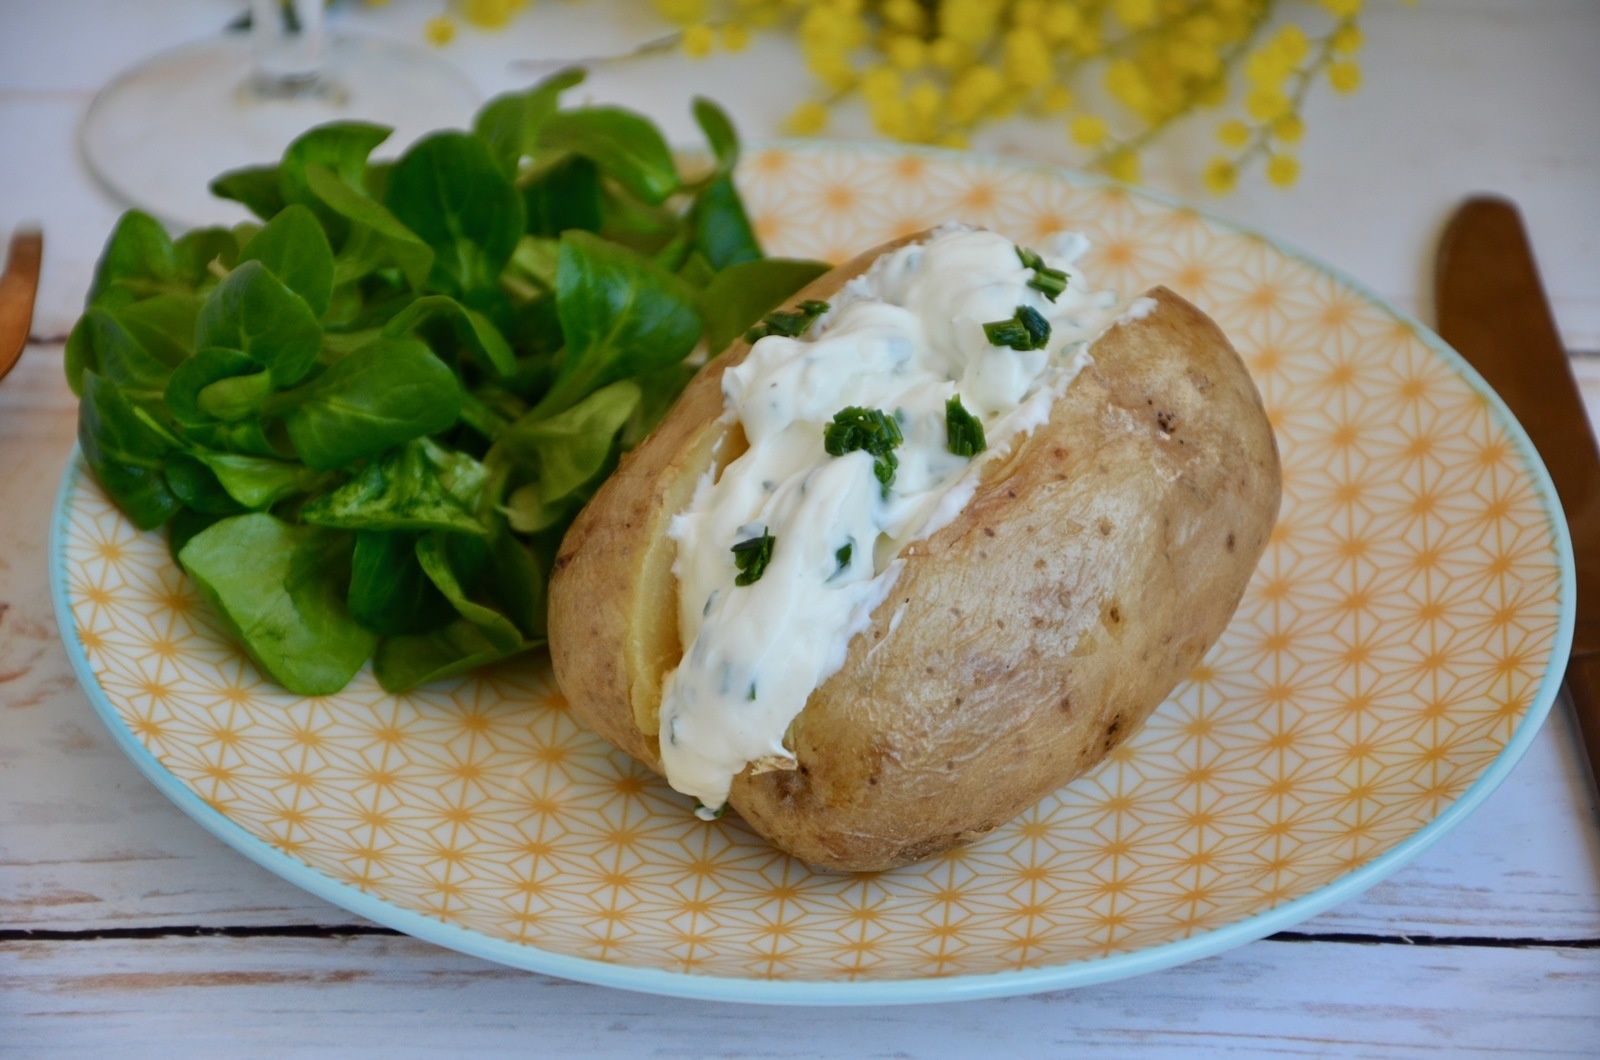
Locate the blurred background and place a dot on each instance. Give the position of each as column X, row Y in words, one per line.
column 1346, row 129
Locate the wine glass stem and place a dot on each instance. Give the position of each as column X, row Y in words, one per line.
column 287, row 42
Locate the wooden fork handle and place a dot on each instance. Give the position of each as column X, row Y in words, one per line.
column 18, row 287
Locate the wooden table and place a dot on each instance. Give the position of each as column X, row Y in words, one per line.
column 123, row 926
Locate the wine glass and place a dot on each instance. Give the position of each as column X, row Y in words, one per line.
column 159, row 132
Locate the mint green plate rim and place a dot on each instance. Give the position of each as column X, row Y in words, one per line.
column 886, row 991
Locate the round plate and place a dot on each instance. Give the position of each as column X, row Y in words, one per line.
column 1394, row 655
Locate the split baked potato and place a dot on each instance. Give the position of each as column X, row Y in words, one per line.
column 1096, row 563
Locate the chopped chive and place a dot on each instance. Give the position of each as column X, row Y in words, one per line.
column 788, row 323
column 842, row 556
column 1038, row 327
column 855, row 428
column 751, row 557
column 1049, row 282
column 883, row 468
column 1026, row 330
column 1006, row 333
column 751, row 695
column 963, row 431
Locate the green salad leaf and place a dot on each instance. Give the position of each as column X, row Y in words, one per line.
column 565, row 194
column 451, row 563
column 139, row 260
column 510, row 124
column 162, row 326
column 257, row 483
column 125, row 453
column 389, row 592
column 468, row 329
column 404, row 662
column 366, row 417
column 719, row 132
column 295, row 249
column 402, row 490
column 234, row 397
column 338, row 150
column 254, row 313
column 449, row 190
column 197, row 488
column 277, row 587
column 256, row 188
column 571, row 447
column 622, row 315
column 386, row 393
column 373, row 237
column 624, row 145
column 102, row 342
column 721, row 227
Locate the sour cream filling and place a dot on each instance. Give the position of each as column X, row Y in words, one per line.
column 903, row 338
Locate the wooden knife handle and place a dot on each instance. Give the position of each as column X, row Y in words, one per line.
column 1583, row 685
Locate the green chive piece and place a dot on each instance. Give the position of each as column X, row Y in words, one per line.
column 790, row 324
column 751, row 557
column 1049, row 282
column 873, row 430
column 842, row 556
column 963, row 431
column 1006, row 333
column 1026, row 330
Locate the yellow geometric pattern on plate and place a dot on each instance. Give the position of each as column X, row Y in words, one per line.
column 1393, row 637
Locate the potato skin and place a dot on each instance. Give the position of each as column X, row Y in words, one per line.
column 1038, row 630
column 1096, row 563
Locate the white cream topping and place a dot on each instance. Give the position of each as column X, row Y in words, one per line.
column 903, row 338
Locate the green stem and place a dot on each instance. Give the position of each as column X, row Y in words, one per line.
column 1150, row 132
column 1120, row 45
column 1303, row 78
column 667, row 42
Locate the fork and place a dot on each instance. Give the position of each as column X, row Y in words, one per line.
column 18, row 286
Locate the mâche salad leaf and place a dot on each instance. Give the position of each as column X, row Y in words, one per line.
column 366, row 417
column 295, row 249
column 279, row 588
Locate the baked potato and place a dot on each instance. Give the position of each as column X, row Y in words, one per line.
column 1094, row 564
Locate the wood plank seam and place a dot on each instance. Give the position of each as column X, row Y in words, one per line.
column 334, row 931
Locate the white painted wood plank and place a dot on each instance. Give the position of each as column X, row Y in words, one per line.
column 361, row 996
column 84, row 839
column 1587, row 371
column 1382, row 168
column 85, row 843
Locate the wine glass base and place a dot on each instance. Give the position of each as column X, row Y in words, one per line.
column 158, row 134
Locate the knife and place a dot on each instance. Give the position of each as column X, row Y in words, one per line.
column 17, row 289
column 1492, row 308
